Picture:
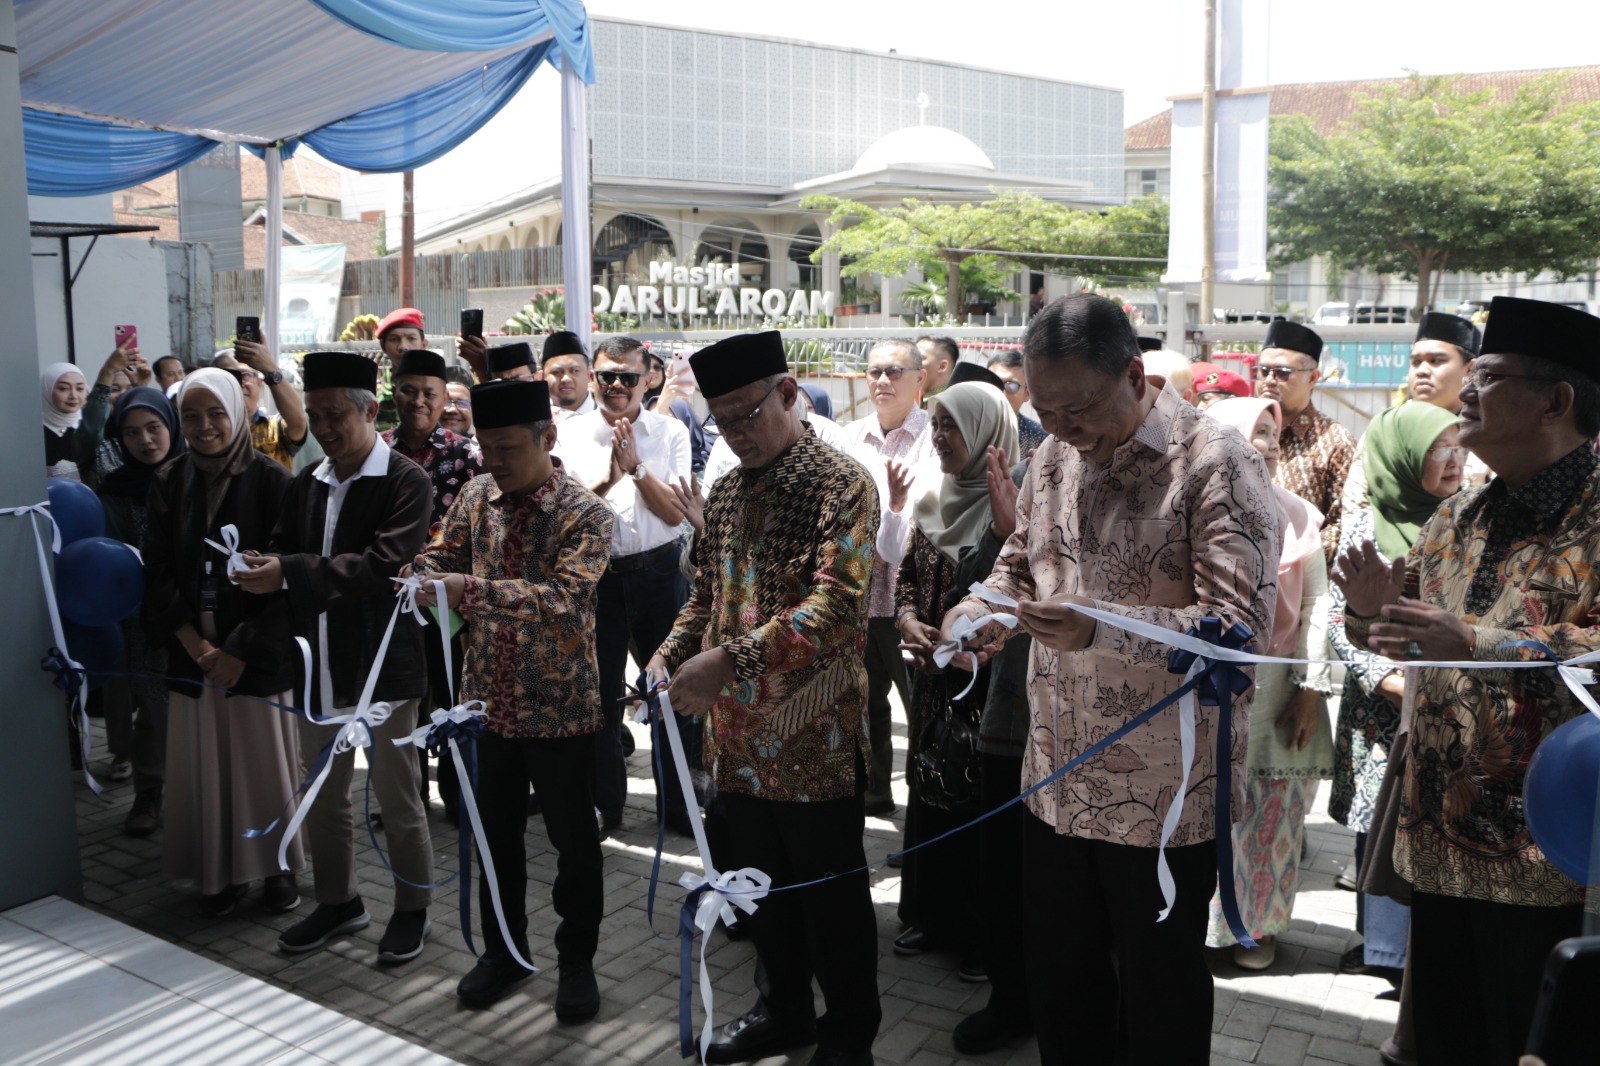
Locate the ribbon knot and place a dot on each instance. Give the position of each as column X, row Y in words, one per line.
column 230, row 548
column 945, row 651
column 1216, row 673
column 70, row 675
column 407, row 589
column 719, row 895
column 464, row 721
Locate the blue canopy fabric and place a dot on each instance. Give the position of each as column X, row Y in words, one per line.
column 376, row 85
column 468, row 25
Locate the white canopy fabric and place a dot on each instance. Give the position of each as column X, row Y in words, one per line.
column 265, row 72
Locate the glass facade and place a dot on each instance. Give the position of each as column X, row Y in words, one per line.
column 692, row 105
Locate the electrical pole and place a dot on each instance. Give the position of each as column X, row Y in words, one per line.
column 408, row 241
column 1208, row 171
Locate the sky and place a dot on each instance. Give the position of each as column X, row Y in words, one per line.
column 1151, row 49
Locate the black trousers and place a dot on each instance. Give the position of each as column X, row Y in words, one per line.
column 562, row 770
column 634, row 613
column 885, row 667
column 1000, row 864
column 1099, row 963
column 1476, row 968
column 826, row 931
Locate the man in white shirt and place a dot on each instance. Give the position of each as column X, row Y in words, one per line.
column 897, row 429
column 631, row 458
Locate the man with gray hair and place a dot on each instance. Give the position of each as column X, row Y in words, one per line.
column 347, row 527
column 897, row 431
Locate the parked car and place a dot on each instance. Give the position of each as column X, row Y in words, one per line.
column 1332, row 314
column 1381, row 313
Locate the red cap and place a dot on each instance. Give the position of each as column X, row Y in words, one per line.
column 1211, row 378
column 400, row 316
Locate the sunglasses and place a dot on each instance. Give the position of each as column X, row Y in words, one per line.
column 628, row 378
column 891, row 372
column 1282, row 373
column 1012, row 387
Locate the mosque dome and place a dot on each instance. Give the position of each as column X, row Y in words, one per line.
column 928, row 146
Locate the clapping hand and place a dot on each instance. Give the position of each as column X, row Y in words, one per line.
column 691, row 501
column 1002, row 494
column 1369, row 584
column 900, row 477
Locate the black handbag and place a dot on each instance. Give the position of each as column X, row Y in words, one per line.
column 943, row 767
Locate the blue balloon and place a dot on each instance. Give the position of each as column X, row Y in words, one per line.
column 1558, row 795
column 76, row 509
column 98, row 649
column 98, row 581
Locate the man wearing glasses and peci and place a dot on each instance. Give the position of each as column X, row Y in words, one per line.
column 1315, row 451
column 896, row 430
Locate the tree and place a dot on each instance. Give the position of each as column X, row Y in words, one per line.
column 981, row 240
column 1424, row 179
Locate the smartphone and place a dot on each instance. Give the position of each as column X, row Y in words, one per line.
column 472, row 322
column 680, row 366
column 127, row 336
column 247, row 328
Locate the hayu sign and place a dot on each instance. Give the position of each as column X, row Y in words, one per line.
column 713, row 289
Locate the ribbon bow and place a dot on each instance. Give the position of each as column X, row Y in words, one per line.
column 945, row 651
column 1216, row 682
column 407, row 590
column 1573, row 672
column 712, row 898
column 230, row 548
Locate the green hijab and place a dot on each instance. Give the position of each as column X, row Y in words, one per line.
column 953, row 509
column 1395, row 449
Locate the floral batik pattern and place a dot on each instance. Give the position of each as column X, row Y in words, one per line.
column 1266, row 859
column 1314, row 461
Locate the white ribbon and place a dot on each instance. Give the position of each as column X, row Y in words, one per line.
column 945, row 651
column 461, row 712
column 355, row 731
column 1187, row 705
column 80, row 707
column 723, row 891
column 230, row 548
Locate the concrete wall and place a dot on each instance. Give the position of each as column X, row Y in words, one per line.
column 123, row 281
column 38, row 831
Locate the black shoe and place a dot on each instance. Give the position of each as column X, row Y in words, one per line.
column 403, row 940
column 1346, row 879
column 987, row 1030
column 323, row 924
column 280, row 893
column 145, row 817
column 755, row 1035
column 221, row 904
column 973, row 973
column 879, row 808
column 911, row 943
column 577, row 994
column 490, row 981
column 833, row 1057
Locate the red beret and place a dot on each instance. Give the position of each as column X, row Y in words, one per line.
column 400, row 316
column 1211, row 378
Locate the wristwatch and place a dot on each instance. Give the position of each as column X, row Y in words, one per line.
column 273, row 379
column 639, row 473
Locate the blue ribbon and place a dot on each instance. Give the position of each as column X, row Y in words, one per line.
column 67, row 678
column 1217, row 684
column 437, row 745
column 691, row 903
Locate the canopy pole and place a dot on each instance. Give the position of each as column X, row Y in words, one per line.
column 575, row 267
column 274, row 257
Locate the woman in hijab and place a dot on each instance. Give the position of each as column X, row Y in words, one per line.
column 1291, row 740
column 953, row 543
column 68, row 447
column 232, row 761
column 143, row 427
column 1413, row 459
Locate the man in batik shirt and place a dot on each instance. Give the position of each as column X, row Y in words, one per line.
column 520, row 553
column 771, row 646
column 1513, row 561
column 1316, row 452
column 1139, row 505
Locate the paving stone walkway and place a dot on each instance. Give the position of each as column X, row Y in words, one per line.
column 1299, row 1011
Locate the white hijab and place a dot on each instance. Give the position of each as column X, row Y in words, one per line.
column 55, row 420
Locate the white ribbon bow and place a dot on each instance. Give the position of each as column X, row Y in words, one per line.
column 724, row 891
column 230, row 548
column 945, row 651
column 408, row 589
column 80, row 706
column 355, row 731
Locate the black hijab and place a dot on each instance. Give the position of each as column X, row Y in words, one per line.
column 134, row 476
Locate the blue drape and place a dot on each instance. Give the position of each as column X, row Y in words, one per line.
column 470, row 25
column 419, row 129
column 69, row 156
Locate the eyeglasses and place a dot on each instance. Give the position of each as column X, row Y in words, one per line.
column 1282, row 373
column 891, row 372
column 1482, row 379
column 629, row 378
column 738, row 427
column 1011, row 386
column 1447, row 455
column 465, row 405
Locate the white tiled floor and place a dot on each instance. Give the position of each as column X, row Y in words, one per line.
column 78, row 987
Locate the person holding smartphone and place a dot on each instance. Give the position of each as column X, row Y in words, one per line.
column 280, row 436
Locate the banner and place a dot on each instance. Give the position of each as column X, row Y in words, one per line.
column 308, row 299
